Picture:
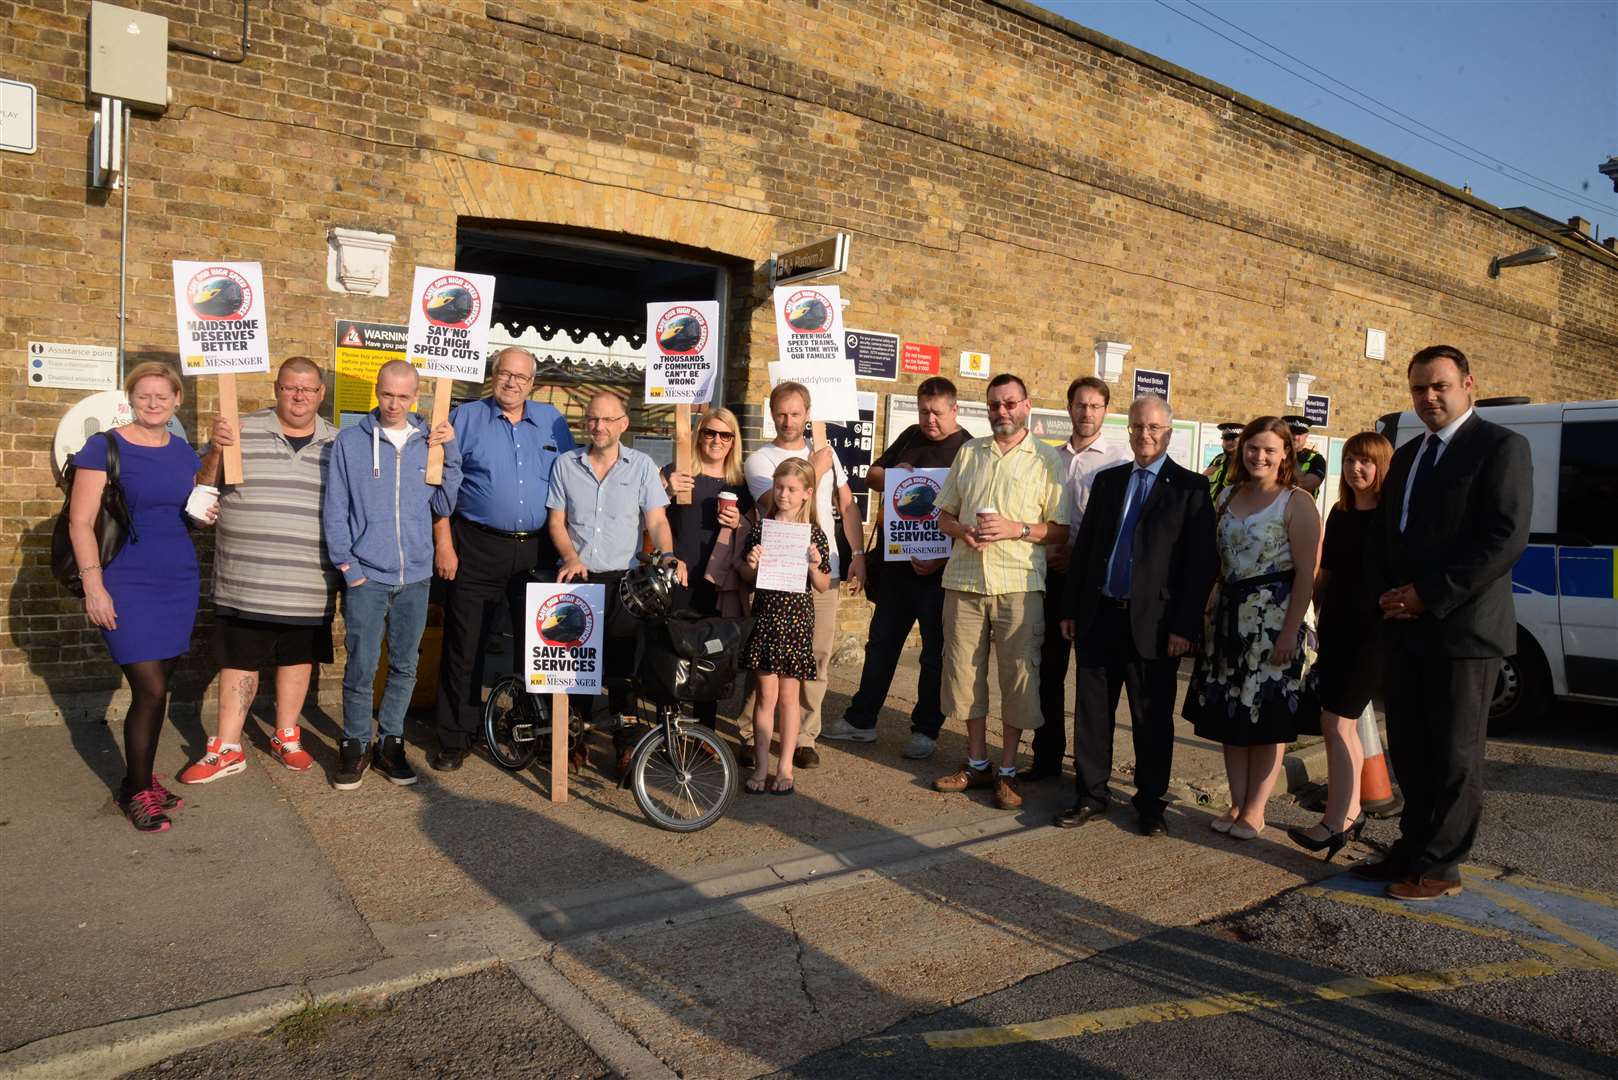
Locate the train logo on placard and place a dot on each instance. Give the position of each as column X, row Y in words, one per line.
column 916, row 499
column 451, row 301
column 682, row 331
column 564, row 621
column 218, row 292
column 809, row 312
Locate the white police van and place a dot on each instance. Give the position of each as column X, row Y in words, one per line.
column 1566, row 583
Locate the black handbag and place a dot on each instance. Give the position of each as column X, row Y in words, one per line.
column 690, row 658
column 113, row 527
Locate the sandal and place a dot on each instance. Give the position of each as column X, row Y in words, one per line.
column 777, row 789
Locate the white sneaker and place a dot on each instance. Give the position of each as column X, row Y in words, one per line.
column 842, row 731
column 920, row 747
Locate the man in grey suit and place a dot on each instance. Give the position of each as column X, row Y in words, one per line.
column 1454, row 519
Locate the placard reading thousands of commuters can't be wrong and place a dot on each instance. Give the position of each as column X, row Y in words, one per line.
column 219, row 310
column 682, row 352
column 809, row 328
column 562, row 653
column 449, row 324
column 910, row 518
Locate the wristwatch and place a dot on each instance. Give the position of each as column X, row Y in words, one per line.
column 1025, row 531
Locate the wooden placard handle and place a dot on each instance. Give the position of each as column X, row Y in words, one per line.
column 817, row 428
column 229, row 409
column 435, row 454
column 559, row 725
column 682, row 448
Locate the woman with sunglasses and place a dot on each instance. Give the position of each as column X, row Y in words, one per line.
column 710, row 522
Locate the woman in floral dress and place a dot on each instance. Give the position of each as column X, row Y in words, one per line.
column 1253, row 687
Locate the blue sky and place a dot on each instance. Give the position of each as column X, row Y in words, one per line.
column 1534, row 85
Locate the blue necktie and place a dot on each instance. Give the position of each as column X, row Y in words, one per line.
column 1121, row 570
column 1424, row 469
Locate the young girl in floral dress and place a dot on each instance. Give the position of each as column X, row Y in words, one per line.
column 781, row 650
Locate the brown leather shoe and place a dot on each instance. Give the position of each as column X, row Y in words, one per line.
column 1005, row 792
column 965, row 777
column 805, row 757
column 1424, row 889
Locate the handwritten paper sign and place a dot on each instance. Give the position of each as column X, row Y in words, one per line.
column 783, row 562
column 910, row 515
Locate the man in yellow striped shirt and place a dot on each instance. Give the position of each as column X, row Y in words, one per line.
column 1003, row 503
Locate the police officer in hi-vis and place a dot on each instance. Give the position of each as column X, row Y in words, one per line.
column 1311, row 463
column 1219, row 469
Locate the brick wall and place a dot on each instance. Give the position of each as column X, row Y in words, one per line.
column 1013, row 184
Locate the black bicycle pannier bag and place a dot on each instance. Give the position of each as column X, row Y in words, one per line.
column 689, row 659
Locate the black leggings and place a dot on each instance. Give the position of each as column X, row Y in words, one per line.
column 148, row 702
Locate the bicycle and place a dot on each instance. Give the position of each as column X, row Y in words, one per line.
column 682, row 776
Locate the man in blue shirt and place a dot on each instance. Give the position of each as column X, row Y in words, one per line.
column 495, row 536
column 599, row 497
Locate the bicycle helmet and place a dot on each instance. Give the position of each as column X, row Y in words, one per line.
column 647, row 590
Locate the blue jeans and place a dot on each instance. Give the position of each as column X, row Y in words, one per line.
column 366, row 609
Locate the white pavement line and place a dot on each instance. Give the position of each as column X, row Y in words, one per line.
column 611, row 1043
column 110, row 1050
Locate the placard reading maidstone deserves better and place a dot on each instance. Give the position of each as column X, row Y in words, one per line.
column 219, row 311
column 910, row 518
column 682, row 352
column 562, row 650
column 449, row 324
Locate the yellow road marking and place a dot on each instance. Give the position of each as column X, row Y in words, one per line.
column 1587, row 895
column 1075, row 1025
column 1592, row 947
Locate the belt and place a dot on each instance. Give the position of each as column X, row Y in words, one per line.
column 502, row 533
column 1113, row 601
column 1231, row 595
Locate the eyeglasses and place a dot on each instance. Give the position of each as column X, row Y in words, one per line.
column 513, row 377
column 596, row 421
column 721, row 436
column 299, row 391
column 1005, row 406
column 1148, row 429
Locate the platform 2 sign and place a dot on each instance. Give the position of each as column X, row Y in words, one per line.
column 562, row 650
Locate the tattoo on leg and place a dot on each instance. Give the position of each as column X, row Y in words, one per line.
column 246, row 690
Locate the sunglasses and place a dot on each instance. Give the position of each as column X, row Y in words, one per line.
column 722, row 436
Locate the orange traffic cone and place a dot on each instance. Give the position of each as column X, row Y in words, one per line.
column 1377, row 797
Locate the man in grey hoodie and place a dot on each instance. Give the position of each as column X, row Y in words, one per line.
column 379, row 534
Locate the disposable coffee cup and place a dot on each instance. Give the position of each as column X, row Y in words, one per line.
column 986, row 511
column 204, row 497
column 727, row 500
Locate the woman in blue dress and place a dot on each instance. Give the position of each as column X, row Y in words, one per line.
column 145, row 599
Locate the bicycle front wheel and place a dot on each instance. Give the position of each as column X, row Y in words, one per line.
column 686, row 785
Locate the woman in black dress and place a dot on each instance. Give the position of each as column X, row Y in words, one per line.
column 697, row 526
column 1350, row 665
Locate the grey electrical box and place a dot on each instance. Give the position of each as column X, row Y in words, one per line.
column 129, row 57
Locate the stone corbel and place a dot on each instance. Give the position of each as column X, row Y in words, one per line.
column 357, row 261
column 1298, row 384
column 1110, row 360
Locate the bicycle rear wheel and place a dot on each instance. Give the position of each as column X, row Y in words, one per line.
column 685, row 786
column 512, row 724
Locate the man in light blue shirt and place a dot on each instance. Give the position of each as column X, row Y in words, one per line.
column 600, row 495
column 488, row 540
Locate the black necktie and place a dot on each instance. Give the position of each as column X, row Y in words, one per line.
column 1424, row 469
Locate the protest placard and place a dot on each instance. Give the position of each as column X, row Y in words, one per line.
column 562, row 655
column 910, row 516
column 219, row 311
column 449, row 338
column 809, row 333
column 682, row 352
column 783, row 562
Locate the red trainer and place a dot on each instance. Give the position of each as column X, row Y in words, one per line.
column 289, row 751
column 216, row 763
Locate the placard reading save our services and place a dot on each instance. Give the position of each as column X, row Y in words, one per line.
column 910, row 518
column 219, row 311
column 449, row 324
column 563, row 647
column 682, row 352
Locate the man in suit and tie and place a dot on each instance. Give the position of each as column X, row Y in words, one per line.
column 1138, row 581
column 1454, row 518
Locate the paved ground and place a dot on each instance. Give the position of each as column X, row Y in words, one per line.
column 479, row 1026
column 867, row 907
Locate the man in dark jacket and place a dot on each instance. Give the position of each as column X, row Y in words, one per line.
column 379, row 534
column 1138, row 580
column 1453, row 520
